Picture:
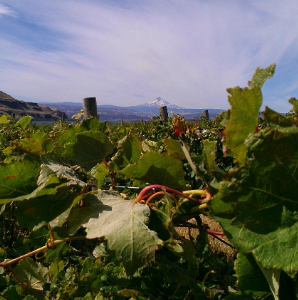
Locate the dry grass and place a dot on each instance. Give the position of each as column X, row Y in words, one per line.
column 216, row 246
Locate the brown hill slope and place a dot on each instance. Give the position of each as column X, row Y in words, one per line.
column 20, row 108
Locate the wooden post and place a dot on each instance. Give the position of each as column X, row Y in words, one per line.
column 122, row 122
column 206, row 114
column 90, row 107
column 63, row 117
column 163, row 111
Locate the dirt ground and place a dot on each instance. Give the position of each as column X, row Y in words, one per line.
column 217, row 246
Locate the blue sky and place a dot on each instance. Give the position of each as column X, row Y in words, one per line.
column 130, row 52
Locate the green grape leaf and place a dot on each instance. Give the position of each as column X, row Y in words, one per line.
column 45, row 203
column 4, row 119
column 123, row 224
column 210, row 156
column 91, row 148
column 250, row 277
column 32, row 273
column 57, row 252
column 88, row 265
column 161, row 219
column 3, row 255
column 174, row 148
column 38, row 238
column 56, row 267
column 24, row 122
column 246, row 104
column 294, row 102
column 12, row 293
column 37, row 296
column 244, row 119
column 129, row 152
column 258, row 206
column 223, row 118
column 276, row 119
column 100, row 172
column 37, row 143
column 18, row 178
column 72, row 219
column 93, row 124
column 261, row 75
column 156, row 168
column 64, row 141
column 8, row 151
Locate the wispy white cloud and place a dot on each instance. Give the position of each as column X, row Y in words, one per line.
column 5, row 10
column 188, row 52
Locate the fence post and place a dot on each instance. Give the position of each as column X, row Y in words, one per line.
column 205, row 113
column 63, row 117
column 163, row 111
column 90, row 107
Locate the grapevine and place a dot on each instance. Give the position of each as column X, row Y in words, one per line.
column 98, row 211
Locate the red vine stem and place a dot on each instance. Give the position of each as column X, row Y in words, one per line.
column 112, row 173
column 147, row 196
column 168, row 189
column 211, row 231
column 105, row 163
column 23, row 284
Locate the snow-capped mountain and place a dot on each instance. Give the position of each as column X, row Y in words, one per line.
column 161, row 102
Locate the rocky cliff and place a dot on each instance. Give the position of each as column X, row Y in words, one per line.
column 10, row 106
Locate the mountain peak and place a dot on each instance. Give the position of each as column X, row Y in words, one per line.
column 157, row 102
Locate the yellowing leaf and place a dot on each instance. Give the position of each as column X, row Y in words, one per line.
column 294, row 102
column 250, row 276
column 24, row 122
column 4, row 120
column 261, row 75
column 246, row 104
column 37, row 143
column 174, row 148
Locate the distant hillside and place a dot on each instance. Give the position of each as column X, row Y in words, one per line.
column 145, row 111
column 152, row 108
column 20, row 108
